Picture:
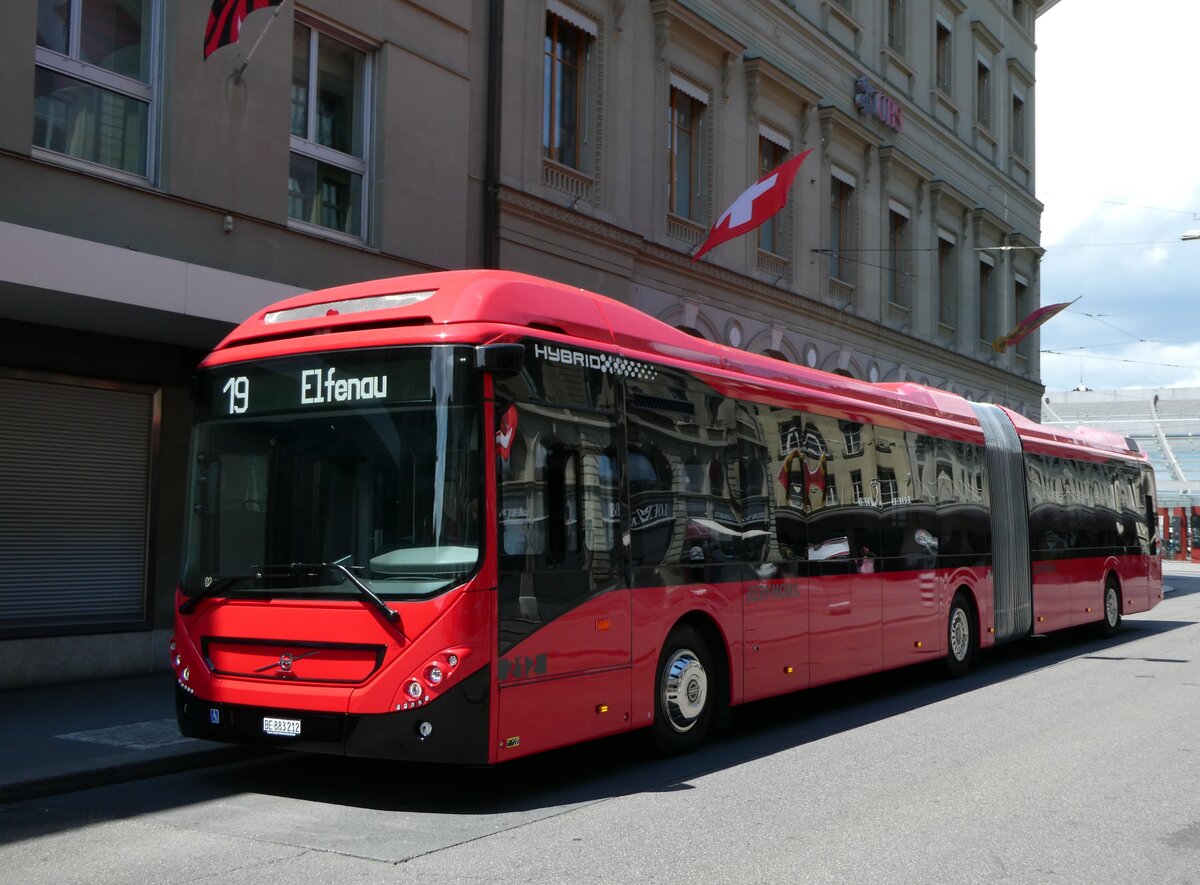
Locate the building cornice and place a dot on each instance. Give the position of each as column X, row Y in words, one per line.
column 688, row 277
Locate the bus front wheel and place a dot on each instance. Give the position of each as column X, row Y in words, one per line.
column 683, row 709
column 962, row 637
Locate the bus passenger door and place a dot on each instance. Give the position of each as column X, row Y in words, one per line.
column 912, row 620
column 845, row 594
column 563, row 610
column 775, row 589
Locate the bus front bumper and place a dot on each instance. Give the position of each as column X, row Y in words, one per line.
column 452, row 729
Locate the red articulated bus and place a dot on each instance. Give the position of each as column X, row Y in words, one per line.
column 469, row 516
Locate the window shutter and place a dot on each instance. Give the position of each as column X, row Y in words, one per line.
column 74, row 487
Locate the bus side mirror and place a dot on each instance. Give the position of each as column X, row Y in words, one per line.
column 502, row 360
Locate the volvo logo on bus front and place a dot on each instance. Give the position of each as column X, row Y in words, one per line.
column 285, row 662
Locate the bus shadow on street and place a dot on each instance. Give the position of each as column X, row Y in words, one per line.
column 1181, row 585
column 627, row 764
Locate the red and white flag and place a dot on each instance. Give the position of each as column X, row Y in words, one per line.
column 1028, row 325
column 755, row 206
column 225, row 21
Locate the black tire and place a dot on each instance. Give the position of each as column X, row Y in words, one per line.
column 684, row 693
column 1110, row 608
column 962, row 637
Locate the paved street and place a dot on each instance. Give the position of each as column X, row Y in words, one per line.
column 1065, row 759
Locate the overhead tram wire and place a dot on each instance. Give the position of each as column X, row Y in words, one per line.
column 1116, row 359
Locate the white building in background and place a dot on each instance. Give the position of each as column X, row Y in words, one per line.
column 1164, row 422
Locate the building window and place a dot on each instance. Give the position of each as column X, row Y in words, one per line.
column 93, row 97
column 987, row 302
column 947, row 283
column 1022, row 309
column 1018, row 126
column 841, row 208
column 983, row 95
column 943, row 60
column 771, row 233
column 329, row 125
column 563, row 91
column 899, row 257
column 897, row 15
column 686, row 156
column 1020, row 13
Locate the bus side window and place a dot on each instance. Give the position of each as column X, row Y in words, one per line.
column 563, row 498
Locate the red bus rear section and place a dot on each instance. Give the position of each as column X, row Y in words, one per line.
column 468, row 516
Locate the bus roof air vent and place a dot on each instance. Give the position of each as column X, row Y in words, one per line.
column 348, row 306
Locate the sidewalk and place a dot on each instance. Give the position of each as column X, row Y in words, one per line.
column 58, row 738
column 1172, row 567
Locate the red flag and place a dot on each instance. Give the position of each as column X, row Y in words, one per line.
column 1027, row 325
column 756, row 205
column 225, row 21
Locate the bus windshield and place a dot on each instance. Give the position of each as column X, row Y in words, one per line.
column 310, row 472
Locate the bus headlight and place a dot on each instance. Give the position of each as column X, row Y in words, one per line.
column 415, row 690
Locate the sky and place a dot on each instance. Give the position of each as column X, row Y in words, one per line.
column 1118, row 170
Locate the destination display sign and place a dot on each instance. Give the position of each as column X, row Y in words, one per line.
column 317, row 382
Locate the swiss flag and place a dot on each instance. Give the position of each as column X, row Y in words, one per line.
column 225, row 21
column 756, row 204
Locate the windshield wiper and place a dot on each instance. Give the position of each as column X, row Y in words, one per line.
column 297, row 567
column 215, row 587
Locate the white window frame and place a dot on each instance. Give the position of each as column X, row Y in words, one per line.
column 586, row 161
column 700, row 180
column 984, row 101
column 778, row 225
column 946, row 88
column 310, row 148
column 70, row 65
column 947, row 290
column 845, row 273
column 896, row 26
column 988, row 320
column 1019, row 146
column 900, row 274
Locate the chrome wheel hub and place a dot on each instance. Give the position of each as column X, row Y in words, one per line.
column 1111, row 606
column 684, row 690
column 960, row 634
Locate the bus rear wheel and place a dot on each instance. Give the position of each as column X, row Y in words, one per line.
column 962, row 637
column 683, row 708
column 1111, row 622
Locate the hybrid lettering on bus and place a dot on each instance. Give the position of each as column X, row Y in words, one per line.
column 469, row 516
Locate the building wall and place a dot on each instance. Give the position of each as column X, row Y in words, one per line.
column 117, row 278
column 792, row 67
